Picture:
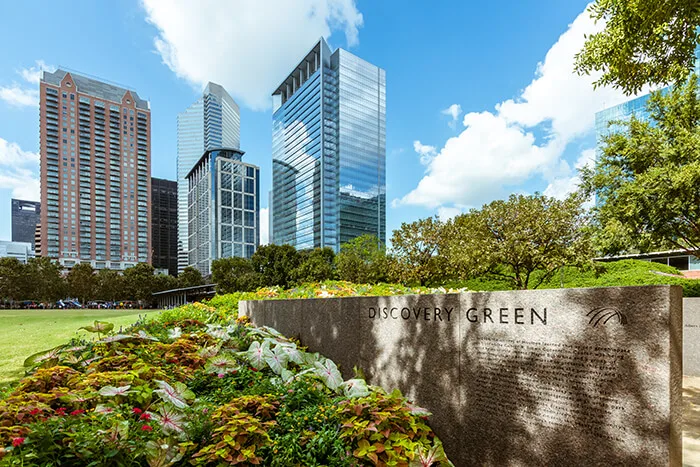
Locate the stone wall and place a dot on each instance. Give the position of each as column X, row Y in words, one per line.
column 691, row 336
column 547, row 377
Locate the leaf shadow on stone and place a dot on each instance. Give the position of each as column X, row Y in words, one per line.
column 423, row 357
column 511, row 435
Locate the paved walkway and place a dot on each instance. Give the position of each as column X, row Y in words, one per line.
column 691, row 421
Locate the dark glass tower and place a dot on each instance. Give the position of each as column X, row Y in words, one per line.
column 25, row 217
column 164, row 224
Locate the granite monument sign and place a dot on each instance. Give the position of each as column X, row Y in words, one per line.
column 550, row 377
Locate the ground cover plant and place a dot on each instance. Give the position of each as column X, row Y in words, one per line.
column 626, row 272
column 196, row 386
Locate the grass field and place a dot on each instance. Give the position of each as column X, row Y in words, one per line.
column 25, row 332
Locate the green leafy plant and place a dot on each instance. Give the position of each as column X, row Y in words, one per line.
column 220, row 391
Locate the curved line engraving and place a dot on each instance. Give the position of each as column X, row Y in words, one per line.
column 605, row 314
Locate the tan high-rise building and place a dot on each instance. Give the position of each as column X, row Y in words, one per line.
column 95, row 147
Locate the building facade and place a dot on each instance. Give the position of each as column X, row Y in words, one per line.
column 23, row 251
column 25, row 217
column 164, row 224
column 224, row 208
column 329, row 151
column 213, row 121
column 95, row 153
column 636, row 107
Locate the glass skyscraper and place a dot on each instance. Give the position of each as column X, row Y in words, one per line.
column 224, row 208
column 329, row 151
column 213, row 121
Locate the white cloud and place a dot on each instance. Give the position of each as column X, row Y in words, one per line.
column 561, row 187
column 446, row 213
column 32, row 75
column 454, row 111
column 246, row 48
column 427, row 153
column 19, row 97
column 264, row 226
column 498, row 149
column 22, row 95
column 19, row 171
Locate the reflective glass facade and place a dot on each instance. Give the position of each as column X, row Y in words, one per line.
column 622, row 112
column 213, row 121
column 328, row 147
column 223, row 208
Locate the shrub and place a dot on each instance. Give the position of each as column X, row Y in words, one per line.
column 194, row 386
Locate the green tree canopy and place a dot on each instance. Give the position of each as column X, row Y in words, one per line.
column 166, row 282
column 190, row 277
column 82, row 282
column 517, row 238
column 275, row 263
column 47, row 282
column 643, row 42
column 362, row 260
column 109, row 285
column 415, row 250
column 14, row 280
column 647, row 177
column 139, row 282
column 235, row 275
column 315, row 265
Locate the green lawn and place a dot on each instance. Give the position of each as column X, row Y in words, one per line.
column 25, row 332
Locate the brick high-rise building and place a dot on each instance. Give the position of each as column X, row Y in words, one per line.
column 95, row 148
column 164, row 224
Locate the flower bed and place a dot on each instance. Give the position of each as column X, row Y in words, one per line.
column 197, row 387
column 228, row 303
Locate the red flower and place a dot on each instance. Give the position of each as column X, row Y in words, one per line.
column 61, row 411
column 34, row 411
column 136, row 410
column 145, row 416
column 77, row 412
column 17, row 441
column 146, row 428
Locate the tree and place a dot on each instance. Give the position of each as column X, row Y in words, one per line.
column 416, row 252
column 647, row 177
column 517, row 238
column 167, row 282
column 14, row 280
column 275, row 264
column 110, row 285
column 362, row 260
column 643, row 42
column 190, row 277
column 235, row 275
column 45, row 277
column 82, row 282
column 139, row 282
column 315, row 265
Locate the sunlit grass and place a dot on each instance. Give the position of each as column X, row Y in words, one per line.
column 24, row 332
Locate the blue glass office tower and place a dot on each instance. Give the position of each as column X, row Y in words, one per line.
column 329, row 151
column 213, row 121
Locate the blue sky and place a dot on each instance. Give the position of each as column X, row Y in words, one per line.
column 481, row 98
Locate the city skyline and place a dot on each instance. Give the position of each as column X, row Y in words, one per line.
column 436, row 164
